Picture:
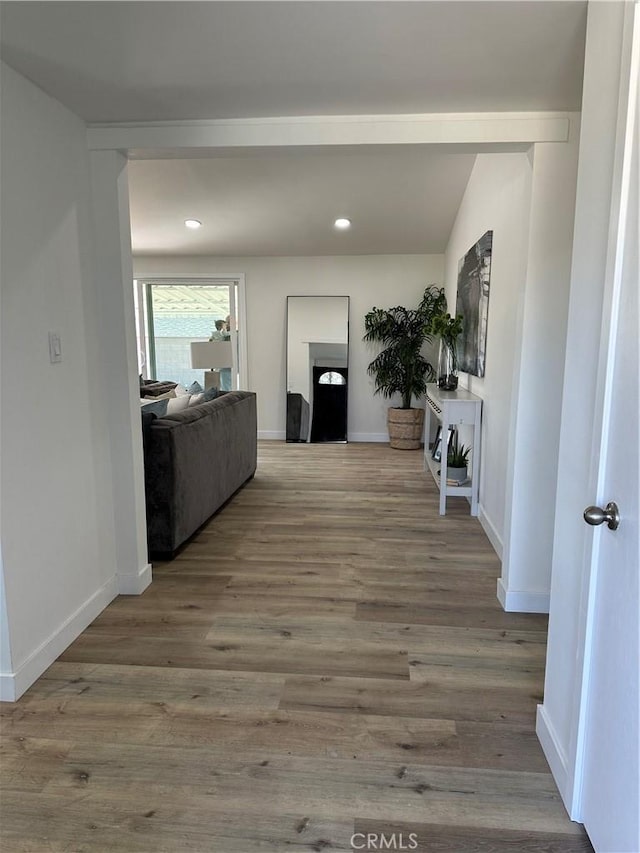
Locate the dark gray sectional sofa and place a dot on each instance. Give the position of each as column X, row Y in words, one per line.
column 195, row 460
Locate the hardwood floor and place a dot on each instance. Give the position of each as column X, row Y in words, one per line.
column 327, row 657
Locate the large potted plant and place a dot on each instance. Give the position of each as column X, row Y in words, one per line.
column 400, row 368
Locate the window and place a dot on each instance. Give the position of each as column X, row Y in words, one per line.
column 331, row 377
column 170, row 315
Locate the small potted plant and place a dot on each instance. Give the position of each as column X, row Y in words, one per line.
column 457, row 461
column 448, row 329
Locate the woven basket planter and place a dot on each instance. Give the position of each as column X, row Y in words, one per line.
column 406, row 427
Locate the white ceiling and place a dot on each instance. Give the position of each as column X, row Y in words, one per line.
column 286, row 205
column 144, row 61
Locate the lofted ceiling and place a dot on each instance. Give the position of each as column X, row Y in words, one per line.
column 172, row 61
column 286, row 205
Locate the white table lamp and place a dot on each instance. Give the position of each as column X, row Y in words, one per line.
column 212, row 356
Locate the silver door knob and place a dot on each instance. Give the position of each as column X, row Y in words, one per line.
column 594, row 515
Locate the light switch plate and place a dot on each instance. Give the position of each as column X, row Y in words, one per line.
column 55, row 348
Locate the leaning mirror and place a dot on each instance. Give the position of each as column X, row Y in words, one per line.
column 317, row 368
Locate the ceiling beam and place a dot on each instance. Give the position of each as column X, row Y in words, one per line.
column 485, row 129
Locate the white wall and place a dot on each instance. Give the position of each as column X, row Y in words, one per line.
column 528, row 201
column 57, row 523
column 5, row 642
column 381, row 280
column 498, row 198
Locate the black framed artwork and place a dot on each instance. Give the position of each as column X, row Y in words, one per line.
column 474, row 277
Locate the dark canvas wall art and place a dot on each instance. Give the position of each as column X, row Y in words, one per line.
column 474, row 274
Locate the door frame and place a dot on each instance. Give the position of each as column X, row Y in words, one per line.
column 237, row 279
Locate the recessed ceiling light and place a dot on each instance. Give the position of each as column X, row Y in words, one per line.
column 342, row 223
column 192, row 223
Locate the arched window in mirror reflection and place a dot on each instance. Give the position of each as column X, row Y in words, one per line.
column 332, row 378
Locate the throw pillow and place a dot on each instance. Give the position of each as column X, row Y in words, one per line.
column 177, row 404
column 180, row 390
column 195, row 388
column 195, row 399
column 211, row 394
column 155, row 407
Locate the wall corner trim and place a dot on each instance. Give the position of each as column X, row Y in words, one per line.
column 135, row 584
column 14, row 684
column 490, row 529
column 554, row 753
column 522, row 600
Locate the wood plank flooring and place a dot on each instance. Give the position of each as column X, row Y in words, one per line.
column 326, row 657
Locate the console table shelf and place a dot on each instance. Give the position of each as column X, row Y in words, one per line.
column 453, row 409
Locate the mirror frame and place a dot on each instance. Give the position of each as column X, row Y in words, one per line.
column 348, row 305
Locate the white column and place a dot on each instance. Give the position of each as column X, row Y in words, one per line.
column 537, row 399
column 113, row 277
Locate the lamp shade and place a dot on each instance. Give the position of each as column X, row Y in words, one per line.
column 211, row 354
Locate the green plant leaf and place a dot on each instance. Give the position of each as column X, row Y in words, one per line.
column 400, row 367
column 458, row 457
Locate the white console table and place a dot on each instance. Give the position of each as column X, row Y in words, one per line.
column 453, row 409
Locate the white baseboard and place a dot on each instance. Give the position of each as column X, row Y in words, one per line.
column 554, row 753
column 277, row 435
column 14, row 684
column 489, row 528
column 369, row 436
column 521, row 600
column 135, row 584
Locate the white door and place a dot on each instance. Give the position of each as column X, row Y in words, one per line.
column 609, row 746
column 588, row 722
